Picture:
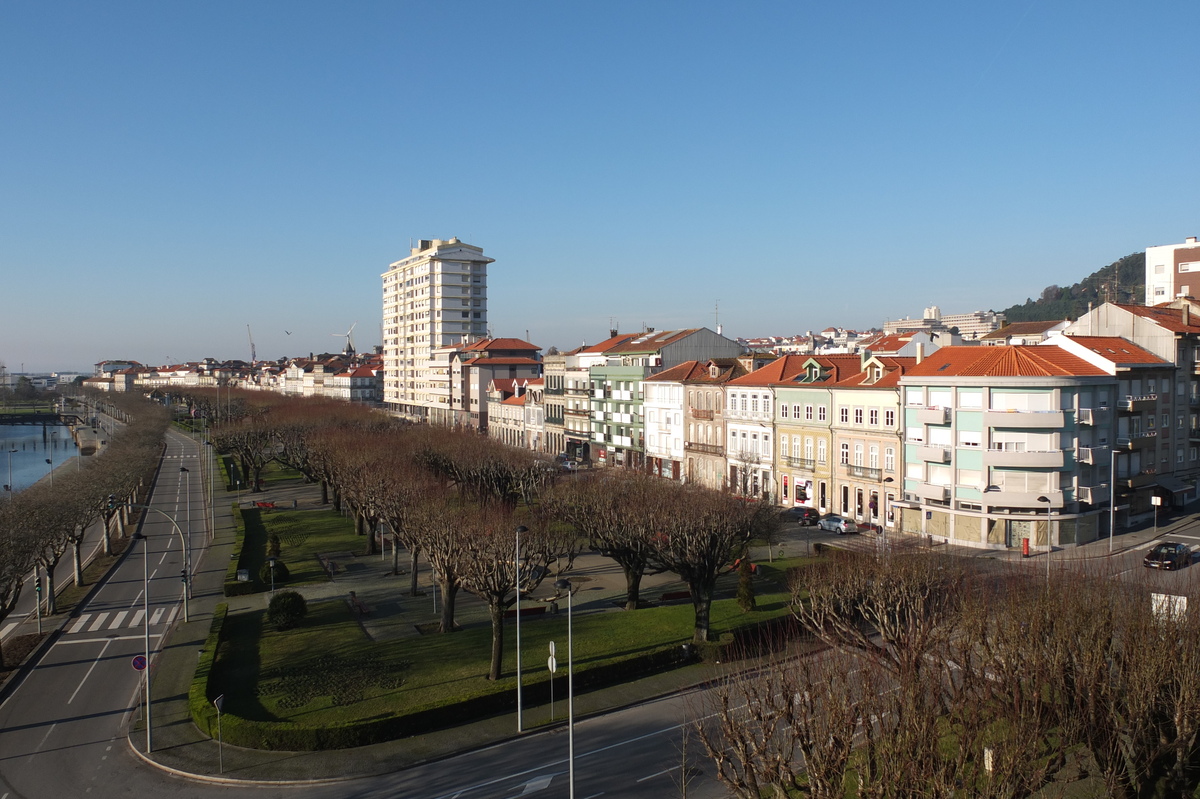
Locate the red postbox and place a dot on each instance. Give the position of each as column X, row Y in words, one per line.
column 1024, row 547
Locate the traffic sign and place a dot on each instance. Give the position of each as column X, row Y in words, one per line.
column 551, row 648
column 552, row 664
column 139, row 662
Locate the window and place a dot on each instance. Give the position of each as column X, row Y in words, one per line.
column 889, row 459
column 873, row 417
column 873, row 456
column 845, row 457
column 820, row 413
column 914, row 471
column 970, row 438
column 808, row 448
column 889, row 418
column 783, row 444
column 844, row 415
column 1179, row 455
column 808, row 413
column 821, row 451
column 743, row 402
column 754, row 403
column 858, row 415
column 733, row 402
column 916, row 434
column 858, row 454
column 783, row 411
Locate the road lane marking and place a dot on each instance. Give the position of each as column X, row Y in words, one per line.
column 537, row 784
column 79, row 625
column 158, row 613
column 120, row 617
column 174, row 613
column 8, row 628
column 137, row 618
column 91, row 668
column 98, row 623
column 43, row 741
column 658, row 773
column 102, row 640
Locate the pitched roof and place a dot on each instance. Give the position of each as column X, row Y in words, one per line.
column 604, row 346
column 784, row 369
column 651, row 341
column 1014, row 361
column 1167, row 318
column 894, row 368
column 1020, row 329
column 486, row 362
column 1118, row 350
column 485, row 344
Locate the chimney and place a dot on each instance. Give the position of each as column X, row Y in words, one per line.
column 1186, row 315
column 920, row 352
column 612, row 332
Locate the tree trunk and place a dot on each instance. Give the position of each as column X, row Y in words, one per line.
column 324, row 493
column 369, row 526
column 449, row 591
column 497, row 614
column 702, row 603
column 77, row 562
column 633, row 585
column 395, row 557
column 108, row 535
column 412, row 571
column 51, row 602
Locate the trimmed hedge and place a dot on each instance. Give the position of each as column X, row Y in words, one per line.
column 251, row 538
column 293, row 737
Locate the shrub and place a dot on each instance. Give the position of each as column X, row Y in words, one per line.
column 745, row 588
column 281, row 573
column 286, row 610
column 273, row 545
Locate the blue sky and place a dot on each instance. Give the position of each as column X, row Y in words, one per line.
column 171, row 172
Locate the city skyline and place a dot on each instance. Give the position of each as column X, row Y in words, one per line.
column 178, row 173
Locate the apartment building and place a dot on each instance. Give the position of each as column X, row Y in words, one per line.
column 434, row 299
column 474, row 366
column 750, row 425
column 1172, row 270
column 998, row 439
column 568, row 396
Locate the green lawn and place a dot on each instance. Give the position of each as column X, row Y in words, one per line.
column 303, row 534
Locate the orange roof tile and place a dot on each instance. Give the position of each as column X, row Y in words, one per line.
column 1168, row 318
column 783, row 369
column 1118, row 350
column 1018, row 361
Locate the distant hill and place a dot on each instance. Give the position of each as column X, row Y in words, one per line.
column 1123, row 281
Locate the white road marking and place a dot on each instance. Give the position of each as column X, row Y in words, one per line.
column 120, row 617
column 98, row 623
column 91, row 668
column 43, row 741
column 537, row 784
column 137, row 618
column 174, row 613
column 158, row 613
column 7, row 629
column 103, row 640
column 79, row 625
column 658, row 773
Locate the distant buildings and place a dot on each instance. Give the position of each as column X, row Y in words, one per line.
column 970, row 326
column 1172, row 270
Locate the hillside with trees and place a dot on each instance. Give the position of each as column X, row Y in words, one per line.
column 1123, row 281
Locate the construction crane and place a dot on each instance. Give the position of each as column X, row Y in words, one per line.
column 253, row 354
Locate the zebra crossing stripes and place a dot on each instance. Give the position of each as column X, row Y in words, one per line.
column 92, row 622
column 8, row 628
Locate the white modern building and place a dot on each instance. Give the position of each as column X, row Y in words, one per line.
column 1172, row 270
column 433, row 299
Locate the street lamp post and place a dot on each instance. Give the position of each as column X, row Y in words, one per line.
column 50, row 460
column 517, row 570
column 1049, row 543
column 10, row 482
column 565, row 585
column 146, row 632
column 183, row 470
column 1112, row 496
column 187, row 553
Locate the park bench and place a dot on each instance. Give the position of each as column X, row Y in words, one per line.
column 357, row 605
column 673, row 595
column 526, row 610
column 266, row 505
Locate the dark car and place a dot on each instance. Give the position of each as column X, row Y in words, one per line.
column 806, row 516
column 1171, row 555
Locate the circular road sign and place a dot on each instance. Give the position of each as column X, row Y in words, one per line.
column 139, row 662
column 552, row 664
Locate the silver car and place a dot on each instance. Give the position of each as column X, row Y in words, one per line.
column 838, row 524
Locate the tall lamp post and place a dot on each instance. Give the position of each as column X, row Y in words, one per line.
column 517, row 570
column 10, row 482
column 1049, row 543
column 187, row 554
column 187, row 479
column 146, row 632
column 1112, row 495
column 565, row 585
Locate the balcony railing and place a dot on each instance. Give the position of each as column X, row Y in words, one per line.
column 1092, row 455
column 1095, row 495
column 1026, row 419
column 800, row 463
column 933, row 453
column 1132, row 404
column 1085, row 416
column 1139, row 439
column 863, row 472
column 1194, row 433
column 932, row 415
column 706, row 415
column 1142, row 479
column 1032, row 459
column 938, row 493
column 705, row 449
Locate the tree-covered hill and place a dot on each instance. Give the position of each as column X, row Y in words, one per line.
column 1122, row 281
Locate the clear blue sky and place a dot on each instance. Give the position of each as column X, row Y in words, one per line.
column 170, row 172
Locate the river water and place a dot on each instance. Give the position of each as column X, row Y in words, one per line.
column 28, row 447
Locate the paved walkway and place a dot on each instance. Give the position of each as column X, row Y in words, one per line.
column 181, row 748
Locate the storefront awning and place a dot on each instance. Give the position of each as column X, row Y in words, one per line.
column 1173, row 484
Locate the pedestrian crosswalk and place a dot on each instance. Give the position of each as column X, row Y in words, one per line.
column 95, row 622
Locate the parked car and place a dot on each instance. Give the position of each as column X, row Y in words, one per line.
column 1170, row 555
column 838, row 524
column 805, row 516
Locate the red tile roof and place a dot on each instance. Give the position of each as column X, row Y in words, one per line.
column 1020, row 329
column 1118, row 350
column 499, row 344
column 1018, row 361
column 606, row 345
column 784, row 369
column 484, row 362
column 1168, row 318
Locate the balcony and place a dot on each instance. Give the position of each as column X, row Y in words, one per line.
column 1145, row 477
column 1024, row 419
column 1001, row 497
column 933, row 453
column 1086, row 416
column 1093, row 455
column 1194, row 400
column 702, row 415
column 930, row 491
column 800, row 463
column 1095, row 495
column 578, row 413
column 932, row 416
column 1139, row 439
column 704, row 449
column 863, row 472
column 1132, row 404
column 1031, row 459
column 1194, row 434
